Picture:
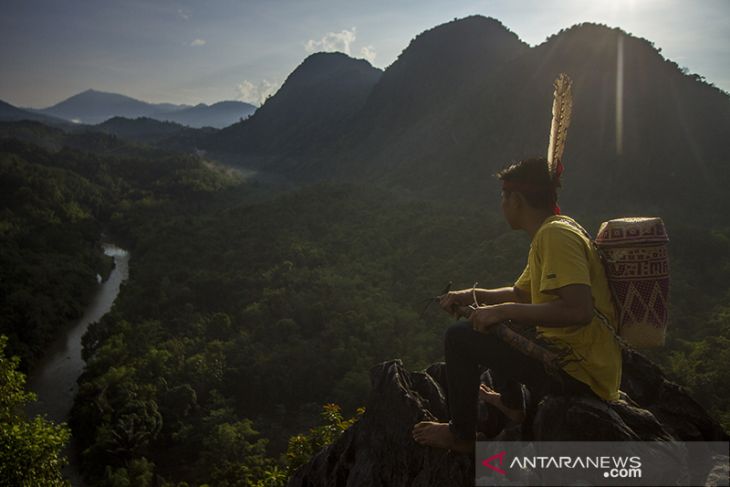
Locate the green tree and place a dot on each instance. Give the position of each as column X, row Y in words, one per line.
column 139, row 473
column 303, row 447
column 30, row 450
column 235, row 456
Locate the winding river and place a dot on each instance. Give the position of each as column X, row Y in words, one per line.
column 53, row 378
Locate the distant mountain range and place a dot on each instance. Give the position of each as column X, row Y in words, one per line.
column 217, row 115
column 93, row 107
column 467, row 97
column 460, row 102
column 10, row 113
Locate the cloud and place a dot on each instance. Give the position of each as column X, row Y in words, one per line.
column 198, row 42
column 340, row 41
column 332, row 41
column 256, row 94
column 368, row 52
column 184, row 13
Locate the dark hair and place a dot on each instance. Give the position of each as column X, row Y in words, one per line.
column 539, row 186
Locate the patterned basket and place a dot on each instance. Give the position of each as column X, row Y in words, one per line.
column 637, row 266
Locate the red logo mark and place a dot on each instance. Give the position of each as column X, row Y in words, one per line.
column 499, row 455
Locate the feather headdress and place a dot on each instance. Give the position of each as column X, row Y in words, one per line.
column 562, row 107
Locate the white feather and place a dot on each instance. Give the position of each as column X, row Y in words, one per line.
column 562, row 108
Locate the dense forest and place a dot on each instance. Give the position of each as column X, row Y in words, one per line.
column 249, row 308
column 56, row 205
column 255, row 306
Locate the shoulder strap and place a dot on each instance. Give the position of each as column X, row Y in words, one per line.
column 601, row 317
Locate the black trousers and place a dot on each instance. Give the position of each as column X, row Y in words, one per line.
column 469, row 352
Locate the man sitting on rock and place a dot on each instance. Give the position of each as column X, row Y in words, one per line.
column 563, row 291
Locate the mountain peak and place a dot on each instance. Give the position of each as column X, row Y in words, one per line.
column 325, row 63
column 455, row 57
column 480, row 42
column 326, row 55
column 473, row 21
column 311, row 107
column 326, row 67
column 468, row 29
column 591, row 35
column 93, row 92
column 590, row 28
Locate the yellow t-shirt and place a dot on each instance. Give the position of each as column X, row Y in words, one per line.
column 560, row 254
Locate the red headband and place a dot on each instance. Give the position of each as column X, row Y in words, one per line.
column 525, row 187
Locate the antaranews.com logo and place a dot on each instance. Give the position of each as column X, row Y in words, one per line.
column 613, row 467
column 599, row 463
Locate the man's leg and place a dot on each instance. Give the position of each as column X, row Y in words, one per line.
column 465, row 350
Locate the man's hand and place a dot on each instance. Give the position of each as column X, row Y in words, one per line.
column 484, row 317
column 455, row 299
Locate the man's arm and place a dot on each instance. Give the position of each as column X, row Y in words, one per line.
column 522, row 296
column 574, row 307
column 464, row 297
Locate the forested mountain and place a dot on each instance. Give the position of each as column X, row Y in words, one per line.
column 406, row 117
column 142, row 128
column 81, row 137
column 468, row 96
column 167, row 135
column 670, row 138
column 316, row 101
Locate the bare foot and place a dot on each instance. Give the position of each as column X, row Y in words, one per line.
column 438, row 435
column 490, row 396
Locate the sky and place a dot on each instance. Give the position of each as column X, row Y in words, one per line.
column 205, row 51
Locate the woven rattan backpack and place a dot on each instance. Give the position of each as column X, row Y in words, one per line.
column 635, row 254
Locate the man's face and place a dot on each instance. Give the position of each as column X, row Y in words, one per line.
column 509, row 208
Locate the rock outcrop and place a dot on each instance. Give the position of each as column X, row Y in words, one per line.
column 378, row 450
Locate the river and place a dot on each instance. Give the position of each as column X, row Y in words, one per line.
column 54, row 377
